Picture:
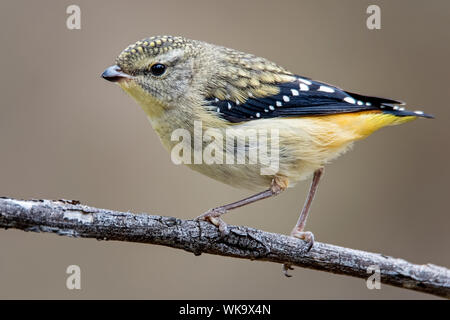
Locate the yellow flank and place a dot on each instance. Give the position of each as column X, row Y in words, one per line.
column 364, row 123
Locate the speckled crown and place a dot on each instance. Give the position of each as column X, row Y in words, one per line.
column 149, row 47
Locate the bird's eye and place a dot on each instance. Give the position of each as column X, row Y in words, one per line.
column 157, row 69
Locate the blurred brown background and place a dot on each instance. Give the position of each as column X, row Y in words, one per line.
column 66, row 133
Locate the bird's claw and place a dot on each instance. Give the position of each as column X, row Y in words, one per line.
column 307, row 236
column 213, row 216
column 219, row 223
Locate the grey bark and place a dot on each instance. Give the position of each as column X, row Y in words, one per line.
column 70, row 218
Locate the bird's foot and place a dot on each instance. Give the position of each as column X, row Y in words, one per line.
column 307, row 236
column 213, row 216
column 215, row 212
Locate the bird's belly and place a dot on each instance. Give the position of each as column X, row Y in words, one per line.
column 243, row 176
column 302, row 145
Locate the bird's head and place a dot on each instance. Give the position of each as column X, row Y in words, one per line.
column 159, row 70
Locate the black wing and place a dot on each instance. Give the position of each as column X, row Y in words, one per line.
column 304, row 97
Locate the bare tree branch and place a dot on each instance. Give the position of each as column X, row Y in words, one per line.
column 69, row 218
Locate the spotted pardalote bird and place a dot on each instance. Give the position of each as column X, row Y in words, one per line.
column 178, row 82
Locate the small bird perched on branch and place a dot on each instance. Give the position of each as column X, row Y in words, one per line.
column 178, row 81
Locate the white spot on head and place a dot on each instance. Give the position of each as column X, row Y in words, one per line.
column 272, row 108
column 258, row 115
column 305, row 81
column 229, row 106
column 349, row 100
column 325, row 89
column 418, row 112
column 279, row 104
column 286, row 99
column 360, row 103
column 294, row 92
column 303, row 87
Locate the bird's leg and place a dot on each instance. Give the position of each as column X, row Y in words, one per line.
column 300, row 226
column 213, row 215
column 301, row 222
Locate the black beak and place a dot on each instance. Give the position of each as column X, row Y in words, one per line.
column 114, row 74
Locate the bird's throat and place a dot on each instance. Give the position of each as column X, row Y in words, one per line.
column 151, row 106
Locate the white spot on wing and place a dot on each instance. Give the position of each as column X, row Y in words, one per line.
column 294, row 92
column 325, row 89
column 360, row 103
column 286, row 99
column 272, row 108
column 303, row 87
column 349, row 100
column 258, row 115
column 305, row 81
column 418, row 112
column 279, row 104
column 229, row 106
